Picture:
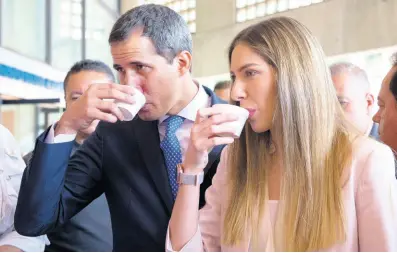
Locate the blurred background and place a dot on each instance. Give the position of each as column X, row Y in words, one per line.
column 41, row 39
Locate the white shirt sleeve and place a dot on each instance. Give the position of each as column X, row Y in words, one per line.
column 24, row 243
column 60, row 138
column 11, row 170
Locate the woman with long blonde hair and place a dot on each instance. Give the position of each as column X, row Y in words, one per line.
column 299, row 178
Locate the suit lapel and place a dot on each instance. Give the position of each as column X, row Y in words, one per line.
column 213, row 156
column 148, row 138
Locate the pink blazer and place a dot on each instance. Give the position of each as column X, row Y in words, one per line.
column 370, row 198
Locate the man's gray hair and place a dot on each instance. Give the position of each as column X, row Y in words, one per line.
column 352, row 70
column 394, row 59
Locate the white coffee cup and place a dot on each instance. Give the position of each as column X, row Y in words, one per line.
column 129, row 111
column 237, row 125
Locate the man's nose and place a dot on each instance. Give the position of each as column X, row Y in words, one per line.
column 134, row 80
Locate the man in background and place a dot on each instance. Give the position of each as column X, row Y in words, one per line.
column 387, row 113
column 90, row 230
column 222, row 90
column 353, row 91
column 11, row 167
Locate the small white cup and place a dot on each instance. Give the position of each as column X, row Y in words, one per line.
column 237, row 125
column 129, row 111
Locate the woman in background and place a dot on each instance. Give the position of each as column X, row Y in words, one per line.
column 300, row 178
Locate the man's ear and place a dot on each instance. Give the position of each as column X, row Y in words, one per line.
column 370, row 102
column 184, row 61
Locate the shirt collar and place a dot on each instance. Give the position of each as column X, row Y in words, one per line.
column 190, row 111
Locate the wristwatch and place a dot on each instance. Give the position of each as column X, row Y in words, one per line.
column 189, row 179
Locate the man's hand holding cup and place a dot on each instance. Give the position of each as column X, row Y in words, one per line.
column 99, row 102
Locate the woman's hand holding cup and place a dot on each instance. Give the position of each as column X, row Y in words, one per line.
column 217, row 125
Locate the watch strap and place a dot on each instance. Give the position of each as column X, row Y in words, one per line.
column 189, row 179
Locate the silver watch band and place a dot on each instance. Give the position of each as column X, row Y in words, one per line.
column 189, row 179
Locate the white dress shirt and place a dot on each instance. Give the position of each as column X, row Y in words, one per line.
column 11, row 170
column 201, row 100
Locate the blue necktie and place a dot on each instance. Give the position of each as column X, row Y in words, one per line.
column 172, row 151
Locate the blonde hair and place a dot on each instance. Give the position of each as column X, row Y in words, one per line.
column 316, row 146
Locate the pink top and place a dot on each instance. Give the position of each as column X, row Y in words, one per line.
column 370, row 198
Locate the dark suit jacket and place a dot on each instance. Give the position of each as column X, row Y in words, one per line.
column 122, row 160
column 88, row 231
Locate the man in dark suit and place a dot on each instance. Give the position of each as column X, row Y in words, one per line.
column 133, row 162
column 354, row 94
column 386, row 116
column 91, row 229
